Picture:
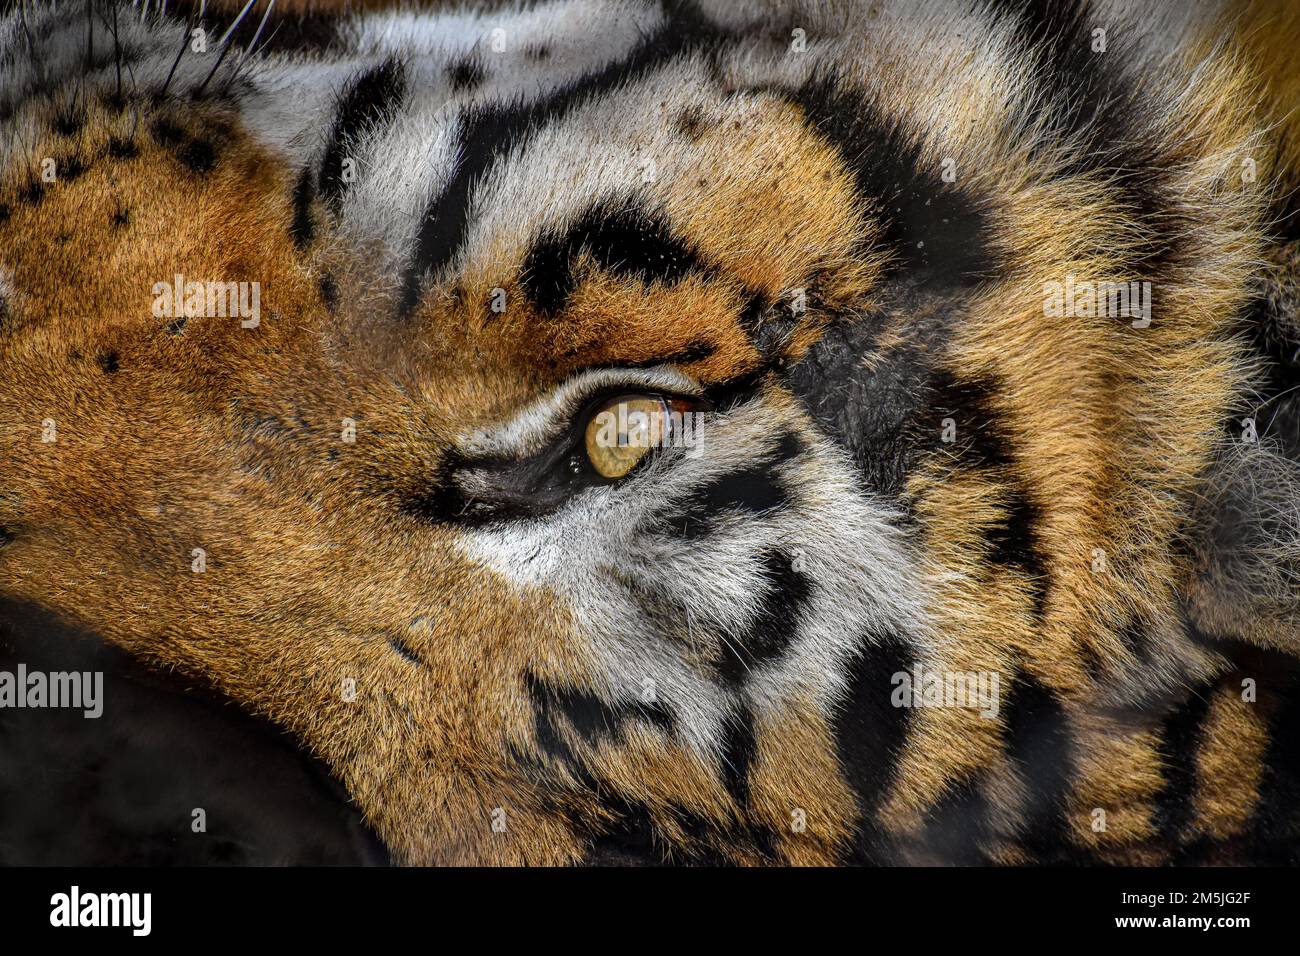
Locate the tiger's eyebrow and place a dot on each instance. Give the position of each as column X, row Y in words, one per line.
column 546, row 417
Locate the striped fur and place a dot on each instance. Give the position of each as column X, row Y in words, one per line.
column 836, row 225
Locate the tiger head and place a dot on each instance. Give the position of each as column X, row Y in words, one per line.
column 608, row 432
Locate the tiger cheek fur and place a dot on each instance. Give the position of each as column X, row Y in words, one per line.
column 362, row 509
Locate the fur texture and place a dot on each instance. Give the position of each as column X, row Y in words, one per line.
column 839, row 228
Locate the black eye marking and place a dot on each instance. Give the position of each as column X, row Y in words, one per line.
column 108, row 362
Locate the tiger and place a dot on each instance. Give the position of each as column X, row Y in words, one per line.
column 615, row 432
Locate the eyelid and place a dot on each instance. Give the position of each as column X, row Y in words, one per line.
column 550, row 416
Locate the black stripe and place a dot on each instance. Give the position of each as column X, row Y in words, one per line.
column 1180, row 740
column 592, row 719
column 1057, row 35
column 1135, row 638
column 1013, row 540
column 770, row 326
column 753, row 491
column 302, row 229
column 1039, row 744
column 984, row 441
column 692, row 352
column 398, row 644
column 775, row 624
column 489, row 132
column 957, row 826
column 633, row 839
column 1274, row 835
column 1268, row 325
column 934, row 229
column 869, row 733
column 1085, row 96
column 1276, row 820
column 285, row 31
column 630, row 840
column 739, row 750
column 624, row 241
column 370, row 100
column 329, row 290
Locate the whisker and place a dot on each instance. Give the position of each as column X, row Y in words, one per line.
column 250, row 49
column 225, row 47
column 90, row 34
column 117, row 51
column 185, row 42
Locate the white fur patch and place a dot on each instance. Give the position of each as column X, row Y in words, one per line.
column 608, row 542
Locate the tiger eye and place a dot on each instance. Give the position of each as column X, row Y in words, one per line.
column 623, row 431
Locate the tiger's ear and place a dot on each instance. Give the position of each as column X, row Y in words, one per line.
column 1245, row 540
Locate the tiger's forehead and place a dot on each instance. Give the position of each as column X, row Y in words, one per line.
column 676, row 221
column 666, row 213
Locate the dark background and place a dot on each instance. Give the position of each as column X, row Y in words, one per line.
column 121, row 789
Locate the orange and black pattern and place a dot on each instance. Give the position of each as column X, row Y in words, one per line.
column 982, row 544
